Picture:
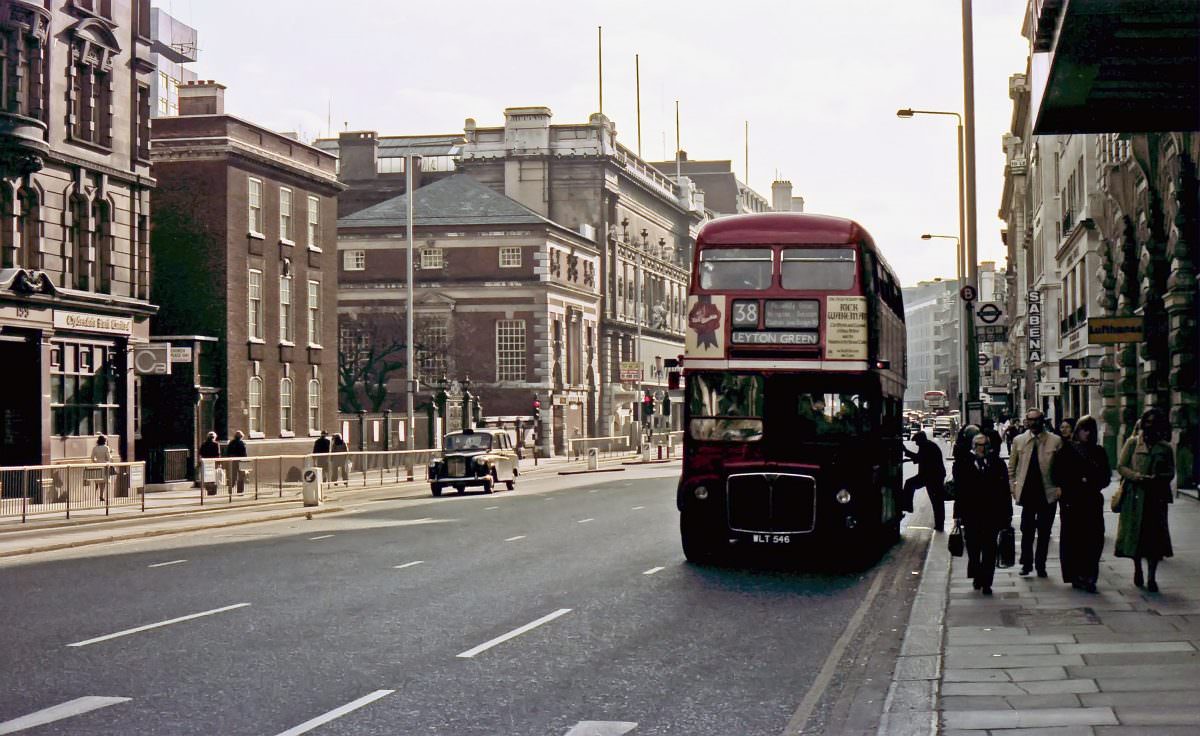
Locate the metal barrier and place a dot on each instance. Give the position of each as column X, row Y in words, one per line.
column 578, row 448
column 37, row 490
column 281, row 476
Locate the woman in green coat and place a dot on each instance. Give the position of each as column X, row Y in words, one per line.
column 1147, row 467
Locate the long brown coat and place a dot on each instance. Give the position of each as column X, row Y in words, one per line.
column 1142, row 530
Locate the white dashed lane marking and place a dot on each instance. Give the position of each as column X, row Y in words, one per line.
column 323, row 536
column 164, row 564
column 584, row 521
column 69, row 709
column 637, row 508
column 653, row 570
column 514, row 633
column 147, row 627
column 513, row 539
column 414, row 563
column 336, row 713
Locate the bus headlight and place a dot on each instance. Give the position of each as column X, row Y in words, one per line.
column 843, row 496
column 701, row 493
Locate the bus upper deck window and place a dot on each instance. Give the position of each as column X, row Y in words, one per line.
column 735, row 268
column 818, row 269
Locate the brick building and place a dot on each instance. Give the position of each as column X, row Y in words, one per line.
column 245, row 233
column 503, row 296
column 372, row 166
column 74, row 224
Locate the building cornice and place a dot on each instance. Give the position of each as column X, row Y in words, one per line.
column 215, row 148
column 57, row 156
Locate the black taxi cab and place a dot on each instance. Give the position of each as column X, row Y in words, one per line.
column 475, row 457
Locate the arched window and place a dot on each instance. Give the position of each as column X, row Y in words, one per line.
column 314, row 405
column 255, row 404
column 285, row 405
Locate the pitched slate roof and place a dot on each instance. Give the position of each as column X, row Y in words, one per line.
column 455, row 200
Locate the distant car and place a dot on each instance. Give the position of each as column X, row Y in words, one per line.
column 945, row 427
column 480, row 457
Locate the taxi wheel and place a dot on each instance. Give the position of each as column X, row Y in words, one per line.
column 512, row 483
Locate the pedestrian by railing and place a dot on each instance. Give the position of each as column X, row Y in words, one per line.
column 71, row 488
column 282, row 476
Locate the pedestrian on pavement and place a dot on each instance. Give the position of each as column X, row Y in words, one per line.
column 1147, row 465
column 101, row 453
column 931, row 474
column 236, row 448
column 321, row 448
column 983, row 505
column 988, row 428
column 1010, row 434
column 1031, row 472
column 209, row 452
column 1066, row 428
column 341, row 463
column 1082, row 472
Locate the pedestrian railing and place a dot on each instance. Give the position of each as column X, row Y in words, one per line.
column 605, row 446
column 71, row 488
column 282, row 476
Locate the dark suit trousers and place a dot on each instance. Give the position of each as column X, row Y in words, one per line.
column 936, row 487
column 1037, row 518
column 980, row 541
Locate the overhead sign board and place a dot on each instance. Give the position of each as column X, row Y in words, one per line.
column 153, row 359
column 991, row 333
column 1114, row 330
column 1085, row 377
column 1033, row 320
column 1049, row 388
column 631, row 371
column 990, row 314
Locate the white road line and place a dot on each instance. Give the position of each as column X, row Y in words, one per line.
column 601, row 728
column 71, row 708
column 594, row 490
column 514, row 633
column 164, row 564
column 513, row 539
column 584, row 521
column 653, row 570
column 147, row 627
column 336, row 713
column 491, row 508
column 637, row 508
column 323, row 536
column 414, row 563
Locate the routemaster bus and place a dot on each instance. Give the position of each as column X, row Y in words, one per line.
column 936, row 400
column 794, row 372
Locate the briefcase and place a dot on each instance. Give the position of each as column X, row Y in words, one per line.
column 1006, row 548
column 954, row 543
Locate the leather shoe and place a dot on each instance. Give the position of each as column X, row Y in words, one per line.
column 1025, row 571
column 1090, row 587
column 987, row 591
column 1043, row 574
column 977, row 584
column 1152, row 586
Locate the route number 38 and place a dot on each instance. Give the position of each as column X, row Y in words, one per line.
column 745, row 313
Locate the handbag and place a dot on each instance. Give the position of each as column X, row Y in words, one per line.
column 1118, row 496
column 955, row 541
column 1006, row 548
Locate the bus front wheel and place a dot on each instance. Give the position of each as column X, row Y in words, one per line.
column 699, row 546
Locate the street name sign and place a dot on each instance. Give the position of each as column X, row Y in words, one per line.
column 1050, row 388
column 1085, row 377
column 1115, row 330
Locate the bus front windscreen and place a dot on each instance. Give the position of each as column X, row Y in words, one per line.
column 735, row 269
column 725, row 407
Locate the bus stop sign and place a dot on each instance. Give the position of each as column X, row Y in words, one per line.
column 968, row 293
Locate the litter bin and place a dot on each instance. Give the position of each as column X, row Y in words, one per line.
column 593, row 458
column 313, row 491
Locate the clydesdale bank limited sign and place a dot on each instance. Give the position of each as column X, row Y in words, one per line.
column 92, row 323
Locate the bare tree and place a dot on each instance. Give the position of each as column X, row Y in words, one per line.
column 371, row 351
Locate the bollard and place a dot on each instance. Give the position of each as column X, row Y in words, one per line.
column 593, row 458
column 646, row 453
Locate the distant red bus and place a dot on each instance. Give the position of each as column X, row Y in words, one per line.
column 935, row 400
column 794, row 368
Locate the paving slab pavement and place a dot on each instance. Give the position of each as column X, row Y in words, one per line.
column 1039, row 657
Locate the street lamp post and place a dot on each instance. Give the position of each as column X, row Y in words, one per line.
column 409, row 438
column 963, row 355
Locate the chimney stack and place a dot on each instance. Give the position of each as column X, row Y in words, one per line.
column 204, row 97
column 781, row 195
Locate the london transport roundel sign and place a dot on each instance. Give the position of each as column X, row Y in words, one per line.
column 989, row 313
column 968, row 293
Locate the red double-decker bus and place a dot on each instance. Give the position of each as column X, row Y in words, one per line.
column 794, row 370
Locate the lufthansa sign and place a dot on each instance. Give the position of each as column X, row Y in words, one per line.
column 92, row 323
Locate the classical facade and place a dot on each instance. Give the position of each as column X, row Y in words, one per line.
column 724, row 193
column 503, row 296
column 74, row 224
column 580, row 177
column 245, row 242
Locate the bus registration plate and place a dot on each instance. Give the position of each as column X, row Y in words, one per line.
column 771, row 538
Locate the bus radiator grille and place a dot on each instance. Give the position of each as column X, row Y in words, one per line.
column 771, row 502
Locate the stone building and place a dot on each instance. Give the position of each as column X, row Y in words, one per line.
column 931, row 311
column 503, row 296
column 579, row 176
column 724, row 193
column 372, row 166
column 74, row 224
column 1133, row 254
column 245, row 251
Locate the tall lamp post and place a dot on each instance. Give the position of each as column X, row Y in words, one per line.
column 963, row 355
column 969, row 267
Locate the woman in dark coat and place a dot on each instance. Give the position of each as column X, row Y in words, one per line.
column 983, row 504
column 1082, row 471
column 1147, row 467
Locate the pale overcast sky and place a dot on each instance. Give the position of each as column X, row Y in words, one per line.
column 819, row 82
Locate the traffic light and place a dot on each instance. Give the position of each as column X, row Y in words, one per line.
column 537, row 412
column 648, row 404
